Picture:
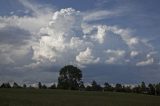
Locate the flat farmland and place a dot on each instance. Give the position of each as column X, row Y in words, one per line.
column 48, row 97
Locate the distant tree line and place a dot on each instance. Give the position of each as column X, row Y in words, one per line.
column 70, row 78
column 151, row 89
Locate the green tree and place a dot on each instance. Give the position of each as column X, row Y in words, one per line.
column 69, row 77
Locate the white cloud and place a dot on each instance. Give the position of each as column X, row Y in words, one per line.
column 111, row 60
column 37, row 10
column 133, row 41
column 19, row 34
column 126, row 36
column 101, row 32
column 115, row 56
column 147, row 62
column 40, row 18
column 64, row 37
column 134, row 53
column 151, row 54
column 86, row 57
column 99, row 15
column 67, row 34
column 32, row 24
column 118, row 53
column 62, row 34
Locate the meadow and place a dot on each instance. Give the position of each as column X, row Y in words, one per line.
column 49, row 97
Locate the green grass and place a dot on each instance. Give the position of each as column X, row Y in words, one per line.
column 33, row 97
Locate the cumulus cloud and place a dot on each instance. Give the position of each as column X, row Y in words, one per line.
column 126, row 36
column 67, row 36
column 86, row 57
column 146, row 62
column 101, row 32
column 62, row 34
column 134, row 53
column 115, row 56
column 117, row 53
column 111, row 60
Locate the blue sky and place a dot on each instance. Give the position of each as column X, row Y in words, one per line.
column 109, row 40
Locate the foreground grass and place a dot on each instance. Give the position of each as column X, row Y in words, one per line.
column 32, row 97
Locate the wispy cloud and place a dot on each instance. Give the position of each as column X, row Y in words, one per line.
column 99, row 15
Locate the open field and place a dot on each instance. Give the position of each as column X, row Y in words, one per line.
column 32, row 97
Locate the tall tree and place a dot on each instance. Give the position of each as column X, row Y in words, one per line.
column 143, row 87
column 69, row 77
column 24, row 86
column 157, row 88
column 81, row 86
column 151, row 89
column 118, row 87
column 53, row 86
column 15, row 85
column 39, row 85
column 95, row 86
column 5, row 85
column 107, row 87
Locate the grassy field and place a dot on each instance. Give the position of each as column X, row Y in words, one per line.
column 32, row 97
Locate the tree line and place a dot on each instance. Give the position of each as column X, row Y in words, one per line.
column 70, row 78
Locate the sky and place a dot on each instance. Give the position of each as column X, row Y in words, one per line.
column 115, row 41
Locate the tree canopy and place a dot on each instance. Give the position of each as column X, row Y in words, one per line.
column 69, row 77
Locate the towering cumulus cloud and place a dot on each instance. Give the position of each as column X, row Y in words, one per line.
column 62, row 39
column 68, row 39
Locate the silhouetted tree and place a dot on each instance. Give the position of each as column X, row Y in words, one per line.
column 44, row 86
column 88, row 88
column 31, row 87
column 137, row 89
column 143, row 87
column 107, row 87
column 126, row 89
column 5, row 85
column 15, row 85
column 69, row 77
column 157, row 88
column 81, row 86
column 95, row 86
column 53, row 86
column 151, row 89
column 24, row 86
column 118, row 88
column 39, row 85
